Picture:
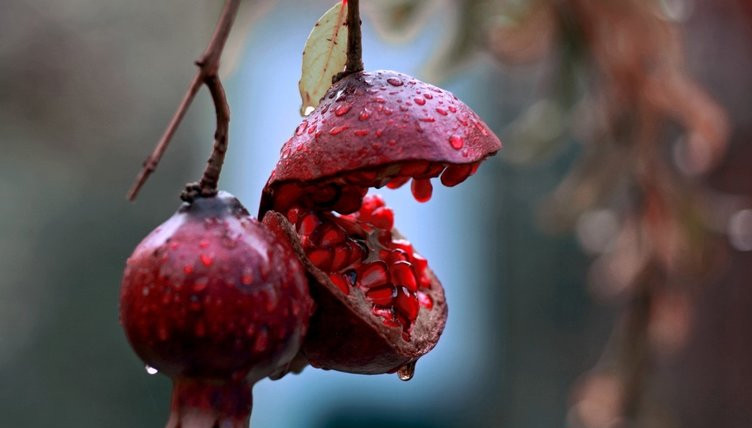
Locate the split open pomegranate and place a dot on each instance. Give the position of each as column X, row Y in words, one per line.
column 379, row 306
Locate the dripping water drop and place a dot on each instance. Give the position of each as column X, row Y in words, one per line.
column 406, row 372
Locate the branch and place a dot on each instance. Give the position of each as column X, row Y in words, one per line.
column 354, row 62
column 208, row 66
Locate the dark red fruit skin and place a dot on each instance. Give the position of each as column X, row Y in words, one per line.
column 213, row 295
column 343, row 333
column 372, row 119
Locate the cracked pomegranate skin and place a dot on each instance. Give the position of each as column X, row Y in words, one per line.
column 379, row 306
column 373, row 129
column 212, row 294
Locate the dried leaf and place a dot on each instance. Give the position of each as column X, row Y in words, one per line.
column 324, row 56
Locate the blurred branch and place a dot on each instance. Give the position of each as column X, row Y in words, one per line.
column 208, row 67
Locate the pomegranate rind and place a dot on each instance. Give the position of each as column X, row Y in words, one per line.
column 343, row 333
column 370, row 120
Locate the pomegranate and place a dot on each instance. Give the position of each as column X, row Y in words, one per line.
column 379, row 306
column 215, row 301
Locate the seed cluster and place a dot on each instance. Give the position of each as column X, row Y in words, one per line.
column 359, row 251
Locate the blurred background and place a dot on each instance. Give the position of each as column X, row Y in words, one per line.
column 598, row 271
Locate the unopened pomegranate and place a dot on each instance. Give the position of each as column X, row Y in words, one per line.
column 379, row 306
column 215, row 301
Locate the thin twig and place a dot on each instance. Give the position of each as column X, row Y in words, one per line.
column 208, row 66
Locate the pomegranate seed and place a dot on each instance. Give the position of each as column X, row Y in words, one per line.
column 397, row 182
column 383, row 218
column 370, row 203
column 403, row 245
column 474, row 168
column 320, row 257
column 407, row 304
column 402, row 274
column 382, row 296
column 425, row 300
column 455, row 174
column 308, row 225
column 332, row 236
column 357, row 253
column 422, row 189
column 397, row 255
column 292, row 215
column 341, row 257
column 373, row 275
column 387, row 314
column 340, row 282
column 350, row 199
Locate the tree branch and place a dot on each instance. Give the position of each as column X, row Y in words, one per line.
column 208, row 66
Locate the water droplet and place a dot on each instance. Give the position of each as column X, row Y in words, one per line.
column 342, row 110
column 364, row 115
column 456, row 141
column 188, row 269
column 420, row 101
column 453, row 109
column 428, row 96
column 394, row 82
column 203, row 243
column 301, row 128
column 206, row 260
column 441, row 111
column 247, row 277
column 361, row 132
column 380, row 100
column 262, row 340
column 379, row 132
column 151, row 370
column 427, row 119
column 337, row 130
column 406, row 372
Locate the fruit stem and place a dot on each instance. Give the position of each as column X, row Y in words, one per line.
column 354, row 41
column 207, row 74
column 205, row 404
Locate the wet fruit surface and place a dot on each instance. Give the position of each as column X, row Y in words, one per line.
column 375, row 129
column 212, row 294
